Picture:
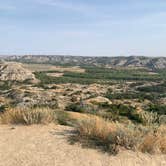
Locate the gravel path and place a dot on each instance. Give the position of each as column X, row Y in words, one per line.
column 48, row 146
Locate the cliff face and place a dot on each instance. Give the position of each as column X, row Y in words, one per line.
column 14, row 72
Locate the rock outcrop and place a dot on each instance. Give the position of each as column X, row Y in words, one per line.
column 10, row 71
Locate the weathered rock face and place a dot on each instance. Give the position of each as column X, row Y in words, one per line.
column 14, row 72
column 160, row 63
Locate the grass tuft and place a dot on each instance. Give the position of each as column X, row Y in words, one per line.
column 27, row 116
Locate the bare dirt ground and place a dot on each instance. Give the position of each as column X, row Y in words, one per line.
column 49, row 146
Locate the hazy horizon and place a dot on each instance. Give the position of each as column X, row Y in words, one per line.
column 83, row 28
column 127, row 56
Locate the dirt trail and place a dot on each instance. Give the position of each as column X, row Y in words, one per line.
column 48, row 146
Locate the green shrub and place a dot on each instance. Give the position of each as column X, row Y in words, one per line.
column 5, row 85
column 133, row 95
column 63, row 118
column 159, row 109
column 124, row 110
column 75, row 107
column 81, row 107
column 154, row 88
column 2, row 108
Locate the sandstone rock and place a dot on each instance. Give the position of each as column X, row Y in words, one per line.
column 10, row 71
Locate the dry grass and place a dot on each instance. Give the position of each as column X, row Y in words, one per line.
column 96, row 127
column 27, row 117
column 154, row 142
column 149, row 118
column 113, row 137
column 79, row 116
column 36, row 116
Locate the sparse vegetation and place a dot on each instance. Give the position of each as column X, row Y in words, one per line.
column 161, row 88
column 81, row 107
column 159, row 109
column 27, row 117
column 134, row 95
column 111, row 137
column 63, row 118
column 35, row 116
column 5, row 85
column 123, row 110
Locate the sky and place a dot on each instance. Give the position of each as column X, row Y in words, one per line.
column 83, row 27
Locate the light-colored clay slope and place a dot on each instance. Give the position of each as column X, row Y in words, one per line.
column 10, row 71
column 48, row 146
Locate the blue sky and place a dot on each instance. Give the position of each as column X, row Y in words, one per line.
column 83, row 27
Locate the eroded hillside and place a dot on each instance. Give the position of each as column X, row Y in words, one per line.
column 152, row 63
